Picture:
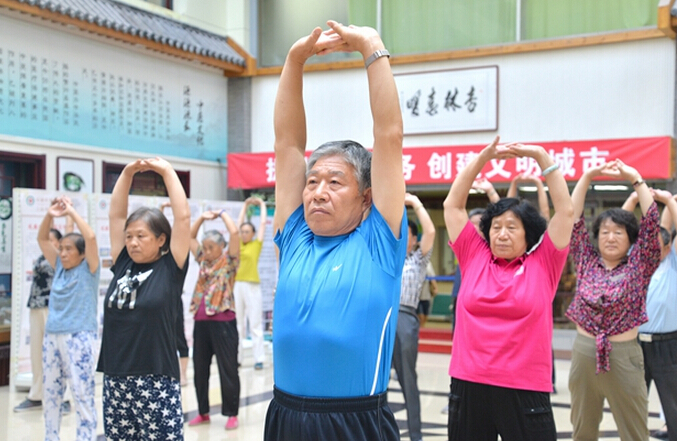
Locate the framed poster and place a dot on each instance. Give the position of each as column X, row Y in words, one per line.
column 458, row 100
column 74, row 174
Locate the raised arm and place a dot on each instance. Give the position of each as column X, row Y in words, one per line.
column 180, row 241
column 48, row 250
column 488, row 188
column 91, row 246
column 195, row 228
column 117, row 212
column 631, row 202
column 387, row 179
column 263, row 215
column 642, row 188
column 289, row 120
column 562, row 222
column 581, row 188
column 427, row 225
column 455, row 215
column 234, row 231
column 669, row 217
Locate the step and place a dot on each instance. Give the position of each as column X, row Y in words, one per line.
column 434, row 340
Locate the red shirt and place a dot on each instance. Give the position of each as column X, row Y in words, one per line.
column 503, row 334
column 611, row 302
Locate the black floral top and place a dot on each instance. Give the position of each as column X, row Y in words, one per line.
column 42, row 283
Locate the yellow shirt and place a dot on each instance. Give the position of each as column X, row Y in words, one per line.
column 249, row 262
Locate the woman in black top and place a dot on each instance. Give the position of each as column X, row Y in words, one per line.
column 142, row 395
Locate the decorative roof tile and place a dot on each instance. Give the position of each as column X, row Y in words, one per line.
column 127, row 19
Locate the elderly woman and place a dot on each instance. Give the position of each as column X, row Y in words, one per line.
column 501, row 360
column 215, row 331
column 70, row 331
column 138, row 346
column 609, row 306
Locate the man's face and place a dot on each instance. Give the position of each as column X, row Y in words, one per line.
column 332, row 202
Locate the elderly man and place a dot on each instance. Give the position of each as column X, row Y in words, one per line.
column 341, row 234
column 406, row 339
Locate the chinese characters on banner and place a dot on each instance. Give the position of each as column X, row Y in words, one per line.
column 461, row 100
column 440, row 165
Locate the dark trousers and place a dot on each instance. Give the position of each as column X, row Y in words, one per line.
column 216, row 338
column 405, row 354
column 294, row 418
column 480, row 412
column 660, row 366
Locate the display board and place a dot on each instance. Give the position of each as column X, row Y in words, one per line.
column 61, row 87
column 30, row 208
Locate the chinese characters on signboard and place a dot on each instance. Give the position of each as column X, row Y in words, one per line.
column 59, row 95
column 460, row 100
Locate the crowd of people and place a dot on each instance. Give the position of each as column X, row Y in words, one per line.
column 352, row 266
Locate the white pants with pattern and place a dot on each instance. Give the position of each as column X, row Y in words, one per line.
column 69, row 357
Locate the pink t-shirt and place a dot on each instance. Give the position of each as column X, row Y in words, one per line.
column 503, row 334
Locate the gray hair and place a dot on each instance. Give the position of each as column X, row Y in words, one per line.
column 215, row 237
column 353, row 153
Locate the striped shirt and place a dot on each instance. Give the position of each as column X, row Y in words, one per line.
column 413, row 276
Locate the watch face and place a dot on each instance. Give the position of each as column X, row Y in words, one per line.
column 5, row 209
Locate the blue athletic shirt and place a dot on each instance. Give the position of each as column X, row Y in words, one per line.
column 661, row 298
column 336, row 307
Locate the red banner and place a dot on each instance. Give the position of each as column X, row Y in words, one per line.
column 652, row 157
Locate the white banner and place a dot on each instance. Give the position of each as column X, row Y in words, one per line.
column 461, row 100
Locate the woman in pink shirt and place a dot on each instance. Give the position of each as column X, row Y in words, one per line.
column 610, row 304
column 501, row 359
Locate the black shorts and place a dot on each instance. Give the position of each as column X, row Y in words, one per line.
column 294, row 418
column 423, row 307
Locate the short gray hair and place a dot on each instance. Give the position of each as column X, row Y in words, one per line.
column 353, row 153
column 215, row 237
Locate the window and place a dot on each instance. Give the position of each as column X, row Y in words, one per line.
column 423, row 26
column 146, row 184
column 557, row 18
column 168, row 4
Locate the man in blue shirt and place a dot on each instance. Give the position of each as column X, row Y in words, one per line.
column 340, row 231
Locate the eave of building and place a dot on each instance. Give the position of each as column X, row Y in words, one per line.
column 155, row 33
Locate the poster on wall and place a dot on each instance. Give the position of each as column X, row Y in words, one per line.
column 75, row 174
column 458, row 100
column 5, row 235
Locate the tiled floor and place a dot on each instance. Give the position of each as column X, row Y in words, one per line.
column 256, row 393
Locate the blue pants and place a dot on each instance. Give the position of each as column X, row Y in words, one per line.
column 405, row 354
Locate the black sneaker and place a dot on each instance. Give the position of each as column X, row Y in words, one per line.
column 65, row 408
column 28, row 405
